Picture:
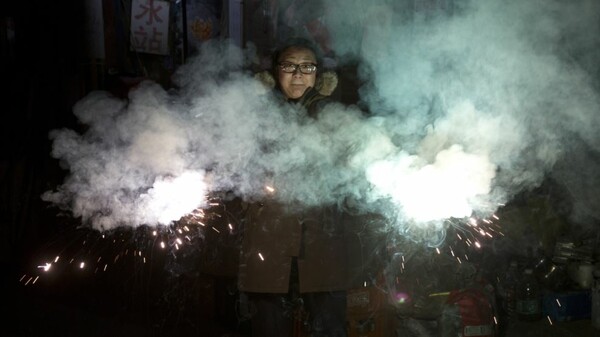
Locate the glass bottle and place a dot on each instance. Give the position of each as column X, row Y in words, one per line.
column 507, row 288
column 528, row 304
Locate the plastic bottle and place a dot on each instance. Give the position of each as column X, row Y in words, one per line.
column 529, row 303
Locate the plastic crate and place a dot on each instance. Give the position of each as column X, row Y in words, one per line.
column 568, row 306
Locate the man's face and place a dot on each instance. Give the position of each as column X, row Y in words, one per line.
column 294, row 84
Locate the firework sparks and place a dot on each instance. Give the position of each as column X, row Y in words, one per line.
column 89, row 249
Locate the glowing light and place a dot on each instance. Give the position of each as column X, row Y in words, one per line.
column 171, row 198
column 428, row 192
column 270, row 189
column 162, row 245
column 549, row 320
column 46, row 267
column 402, row 298
column 216, row 230
column 261, row 256
column 558, row 302
column 81, row 265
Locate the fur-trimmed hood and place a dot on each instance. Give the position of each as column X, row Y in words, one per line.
column 326, row 82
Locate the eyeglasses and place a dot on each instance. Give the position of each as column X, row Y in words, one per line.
column 307, row 68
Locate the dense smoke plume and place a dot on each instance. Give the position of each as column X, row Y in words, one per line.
column 512, row 82
column 468, row 103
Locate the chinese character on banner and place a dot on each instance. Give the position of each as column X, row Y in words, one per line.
column 150, row 26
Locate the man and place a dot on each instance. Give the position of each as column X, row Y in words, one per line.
column 293, row 259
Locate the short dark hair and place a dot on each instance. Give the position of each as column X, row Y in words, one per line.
column 296, row 42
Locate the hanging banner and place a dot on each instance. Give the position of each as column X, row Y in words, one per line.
column 150, row 26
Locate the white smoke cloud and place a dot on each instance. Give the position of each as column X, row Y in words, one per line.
column 470, row 104
column 509, row 82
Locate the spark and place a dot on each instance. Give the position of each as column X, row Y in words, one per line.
column 93, row 243
column 495, row 320
column 437, row 250
column 477, row 244
column 558, row 302
column 270, row 189
column 46, row 267
column 261, row 256
column 549, row 320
